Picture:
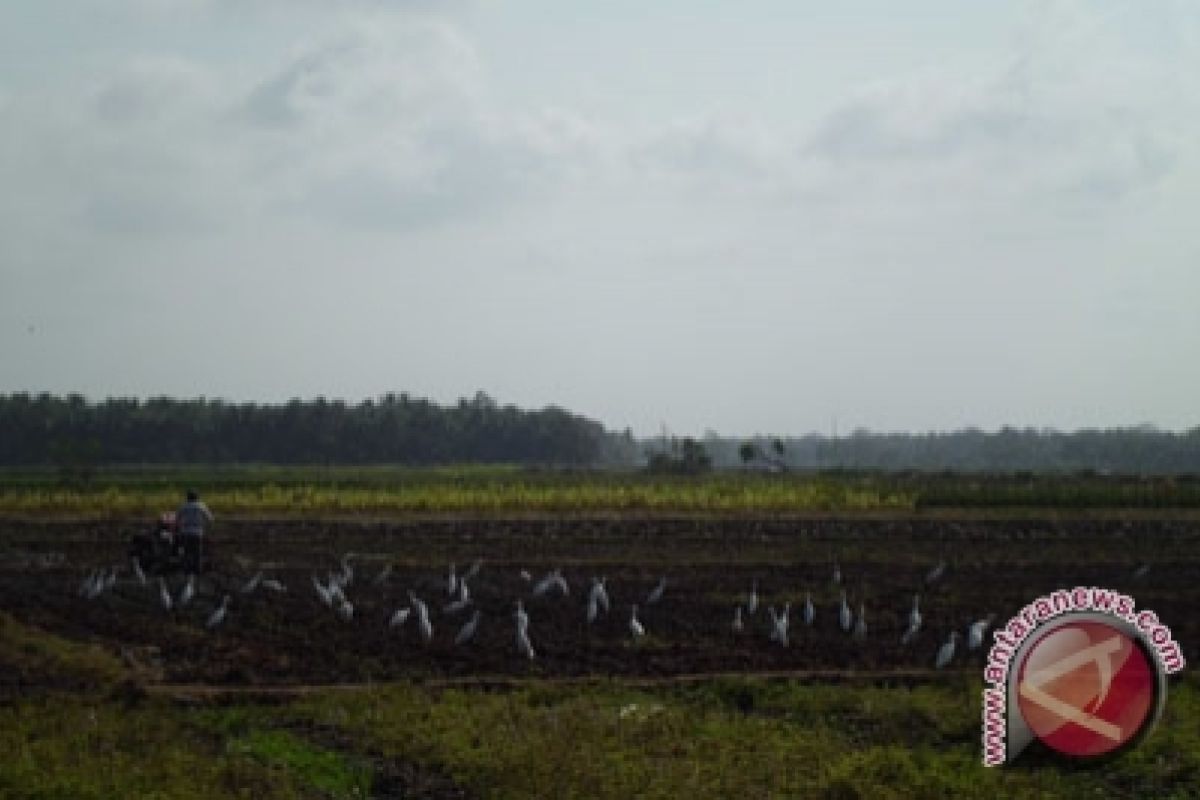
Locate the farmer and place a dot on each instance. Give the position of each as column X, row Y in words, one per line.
column 193, row 519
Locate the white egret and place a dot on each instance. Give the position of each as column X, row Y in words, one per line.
column 188, row 592
column 810, row 612
column 656, row 593
column 336, row 595
column 593, row 609
column 738, row 624
column 914, row 616
column 779, row 624
column 345, row 609
column 845, row 618
column 553, row 580
column 383, row 575
column 85, row 587
column 400, row 617
column 752, row 599
column 423, row 622
column 253, row 583
column 635, row 627
column 934, row 575
column 95, row 585
column 524, row 646
column 601, row 592
column 467, row 632
column 322, row 591
column 977, row 630
column 945, row 653
column 525, row 576
column 274, row 585
column 218, row 614
column 138, row 572
column 473, row 570
column 451, row 582
column 837, row 573
column 464, row 592
column 164, row 595
column 860, row 624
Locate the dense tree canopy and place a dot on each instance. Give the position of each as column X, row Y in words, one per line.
column 400, row 429
column 395, row 428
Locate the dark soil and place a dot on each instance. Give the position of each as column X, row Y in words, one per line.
column 278, row 639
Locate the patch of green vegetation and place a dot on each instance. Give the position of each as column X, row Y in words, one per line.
column 737, row 738
column 321, row 769
column 355, row 491
column 37, row 657
column 69, row 747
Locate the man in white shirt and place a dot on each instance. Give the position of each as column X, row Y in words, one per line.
column 192, row 519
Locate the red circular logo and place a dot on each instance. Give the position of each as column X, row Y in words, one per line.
column 1086, row 688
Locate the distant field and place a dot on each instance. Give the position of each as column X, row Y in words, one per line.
column 382, row 491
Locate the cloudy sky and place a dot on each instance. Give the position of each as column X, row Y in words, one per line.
column 747, row 217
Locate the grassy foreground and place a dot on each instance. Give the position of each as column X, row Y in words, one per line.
column 79, row 728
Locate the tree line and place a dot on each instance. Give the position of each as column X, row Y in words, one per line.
column 1137, row 450
column 396, row 428
column 66, row 431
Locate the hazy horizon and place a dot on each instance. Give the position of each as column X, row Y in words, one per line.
column 746, row 219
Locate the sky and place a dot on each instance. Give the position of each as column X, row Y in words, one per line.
column 770, row 216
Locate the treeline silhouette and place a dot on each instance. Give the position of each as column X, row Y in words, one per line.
column 396, row 428
column 45, row 429
column 1135, row 450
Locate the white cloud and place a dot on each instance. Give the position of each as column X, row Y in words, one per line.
column 926, row 216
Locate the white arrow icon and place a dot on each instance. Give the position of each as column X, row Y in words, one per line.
column 1099, row 654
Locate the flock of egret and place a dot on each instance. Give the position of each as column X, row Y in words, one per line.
column 332, row 592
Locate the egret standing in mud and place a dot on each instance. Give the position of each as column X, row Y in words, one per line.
column 597, row 599
column 945, row 653
column 467, row 632
column 163, row 595
column 138, row 572
column 218, row 614
column 253, row 583
column 553, row 580
column 524, row 647
column 845, row 618
column 738, row 624
column 423, row 623
column 860, row 624
column 322, row 591
column 752, row 599
column 635, row 627
column 656, row 594
column 977, row 630
column 810, row 612
column 400, row 617
column 779, row 624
